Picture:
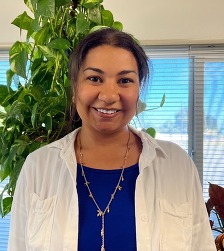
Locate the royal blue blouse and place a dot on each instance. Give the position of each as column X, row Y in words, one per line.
column 120, row 231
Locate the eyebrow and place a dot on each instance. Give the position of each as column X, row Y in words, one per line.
column 102, row 72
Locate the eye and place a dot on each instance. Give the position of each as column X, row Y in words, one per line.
column 95, row 79
column 125, row 81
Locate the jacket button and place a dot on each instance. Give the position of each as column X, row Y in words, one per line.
column 144, row 218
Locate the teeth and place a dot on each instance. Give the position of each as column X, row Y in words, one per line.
column 106, row 111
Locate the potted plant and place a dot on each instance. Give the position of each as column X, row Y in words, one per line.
column 215, row 205
column 35, row 103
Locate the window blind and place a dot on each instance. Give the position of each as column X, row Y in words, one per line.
column 192, row 78
column 170, row 75
column 209, row 109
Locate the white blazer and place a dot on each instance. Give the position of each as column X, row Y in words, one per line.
column 170, row 209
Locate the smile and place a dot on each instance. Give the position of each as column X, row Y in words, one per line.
column 106, row 111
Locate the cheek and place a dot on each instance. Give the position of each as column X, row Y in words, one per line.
column 85, row 98
column 131, row 99
column 130, row 105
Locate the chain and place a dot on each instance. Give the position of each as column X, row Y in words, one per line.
column 118, row 187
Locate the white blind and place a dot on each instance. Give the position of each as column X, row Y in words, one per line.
column 170, row 75
column 209, row 82
column 4, row 222
column 192, row 77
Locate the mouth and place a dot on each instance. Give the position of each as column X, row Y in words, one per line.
column 107, row 111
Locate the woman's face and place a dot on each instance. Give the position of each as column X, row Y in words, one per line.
column 108, row 89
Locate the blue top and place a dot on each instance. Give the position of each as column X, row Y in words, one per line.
column 120, row 232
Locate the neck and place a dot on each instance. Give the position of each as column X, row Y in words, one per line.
column 91, row 138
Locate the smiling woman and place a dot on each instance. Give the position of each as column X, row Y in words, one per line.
column 107, row 96
column 106, row 176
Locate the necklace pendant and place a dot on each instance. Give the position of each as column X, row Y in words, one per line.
column 119, row 188
column 99, row 213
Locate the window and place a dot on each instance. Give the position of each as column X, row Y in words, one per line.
column 192, row 77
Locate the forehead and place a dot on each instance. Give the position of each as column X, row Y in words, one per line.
column 109, row 55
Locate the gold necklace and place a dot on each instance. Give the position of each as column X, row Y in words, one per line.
column 101, row 213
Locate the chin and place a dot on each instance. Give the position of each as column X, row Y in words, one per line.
column 106, row 129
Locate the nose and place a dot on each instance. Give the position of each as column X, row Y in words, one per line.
column 109, row 93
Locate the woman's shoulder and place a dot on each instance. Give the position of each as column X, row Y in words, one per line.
column 171, row 147
column 54, row 147
column 166, row 147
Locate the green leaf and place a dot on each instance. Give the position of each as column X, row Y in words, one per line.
column 37, row 92
column 17, row 111
column 3, row 93
column 5, row 169
column 59, row 3
column 18, row 58
column 23, row 21
column 34, row 115
column 16, row 171
column 7, row 204
column 118, row 25
column 51, row 104
column 60, row 44
column 94, row 14
column 48, row 123
column 82, row 25
column 90, row 3
column 24, row 138
column 2, row 114
column 9, row 76
column 13, row 152
column 20, row 146
column 46, row 8
column 97, row 27
column 35, row 25
column 9, row 99
column 151, row 131
column 107, row 18
column 31, row 4
column 163, row 100
column 22, row 94
column 1, row 200
column 48, row 52
column 41, row 36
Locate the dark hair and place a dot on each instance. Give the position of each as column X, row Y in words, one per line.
column 112, row 37
column 105, row 36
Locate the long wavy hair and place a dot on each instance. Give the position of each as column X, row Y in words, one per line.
column 104, row 36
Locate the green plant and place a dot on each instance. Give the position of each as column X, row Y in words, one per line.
column 142, row 107
column 35, row 102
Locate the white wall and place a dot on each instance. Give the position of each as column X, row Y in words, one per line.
column 173, row 20
column 151, row 21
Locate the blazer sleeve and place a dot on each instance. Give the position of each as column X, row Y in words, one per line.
column 19, row 213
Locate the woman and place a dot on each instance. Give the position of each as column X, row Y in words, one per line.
column 106, row 186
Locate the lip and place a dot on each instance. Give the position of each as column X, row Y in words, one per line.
column 106, row 115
